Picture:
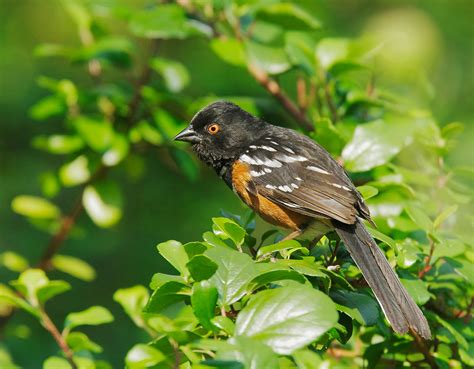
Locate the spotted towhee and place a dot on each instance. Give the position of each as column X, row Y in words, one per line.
column 292, row 182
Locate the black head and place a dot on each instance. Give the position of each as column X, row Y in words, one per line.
column 221, row 130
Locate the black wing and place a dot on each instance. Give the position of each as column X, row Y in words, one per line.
column 297, row 173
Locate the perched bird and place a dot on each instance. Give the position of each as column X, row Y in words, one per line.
column 294, row 183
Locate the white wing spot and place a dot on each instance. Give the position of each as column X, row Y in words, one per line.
column 291, row 159
column 256, row 174
column 317, row 169
column 270, row 187
column 285, row 188
column 289, row 204
column 247, row 159
column 288, row 149
column 253, row 146
column 275, row 143
column 294, row 185
column 267, row 170
column 339, row 186
column 268, row 148
column 298, row 178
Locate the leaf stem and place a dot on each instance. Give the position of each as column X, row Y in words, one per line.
column 53, row 330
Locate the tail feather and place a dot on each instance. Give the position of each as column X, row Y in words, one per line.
column 397, row 305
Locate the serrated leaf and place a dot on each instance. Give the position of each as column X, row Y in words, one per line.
column 35, row 207
column 74, row 266
column 234, row 273
column 287, row 318
column 103, row 203
column 94, row 315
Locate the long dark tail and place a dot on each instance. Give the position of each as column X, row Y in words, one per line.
column 397, row 305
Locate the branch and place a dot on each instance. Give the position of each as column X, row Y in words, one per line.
column 424, row 350
column 53, row 330
column 274, row 89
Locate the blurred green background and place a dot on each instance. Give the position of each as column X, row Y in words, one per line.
column 429, row 58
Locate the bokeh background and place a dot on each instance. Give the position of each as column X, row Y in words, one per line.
column 429, row 59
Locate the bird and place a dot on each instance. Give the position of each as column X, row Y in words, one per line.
column 292, row 182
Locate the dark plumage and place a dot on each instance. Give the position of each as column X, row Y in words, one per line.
column 291, row 181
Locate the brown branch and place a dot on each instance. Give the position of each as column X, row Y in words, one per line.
column 302, row 97
column 428, row 265
column 420, row 343
column 275, row 90
column 53, row 330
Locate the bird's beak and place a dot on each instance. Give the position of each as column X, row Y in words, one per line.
column 188, row 135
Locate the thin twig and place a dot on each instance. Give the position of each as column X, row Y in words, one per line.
column 428, row 265
column 274, row 89
column 51, row 328
column 424, row 350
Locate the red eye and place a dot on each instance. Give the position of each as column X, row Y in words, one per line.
column 213, row 128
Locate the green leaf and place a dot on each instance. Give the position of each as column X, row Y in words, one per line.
column 367, row 191
column 94, row 315
column 143, row 356
column 229, row 229
column 332, row 50
column 306, row 359
column 279, row 246
column 224, row 323
column 201, row 267
column 8, row 297
column 166, row 295
column 160, row 279
column 29, row 282
column 252, row 353
column 175, row 254
column 419, row 217
column 74, row 266
column 229, row 50
column 55, row 362
column 75, row 172
column 416, row 288
column 382, row 237
column 78, row 341
column 203, row 300
column 58, row 144
column 52, row 289
column 103, row 203
column 97, row 134
column 457, row 336
column 270, row 59
column 234, row 272
column 175, row 74
column 375, row 143
column 287, row 318
column 288, row 14
column 13, row 261
column 35, row 207
column 164, row 22
column 445, row 214
column 117, row 152
column 467, row 355
column 133, row 301
column 358, row 306
column 47, row 107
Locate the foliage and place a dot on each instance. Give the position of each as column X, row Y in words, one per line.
column 239, row 299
